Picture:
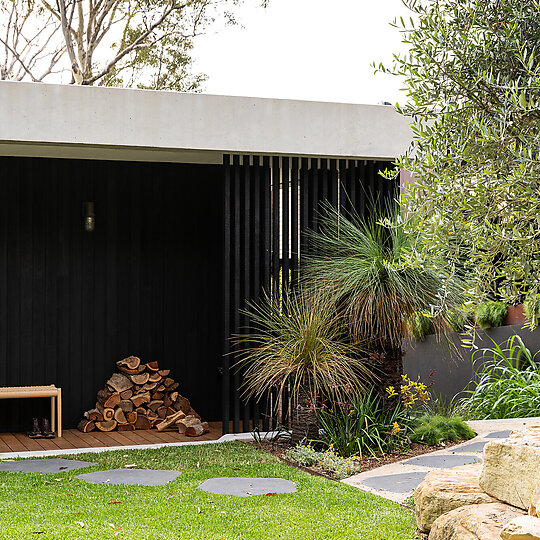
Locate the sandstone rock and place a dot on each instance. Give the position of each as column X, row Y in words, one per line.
column 511, row 467
column 522, row 528
column 534, row 508
column 446, row 489
column 474, row 522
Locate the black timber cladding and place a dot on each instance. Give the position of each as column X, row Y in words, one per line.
column 177, row 251
column 147, row 281
column 284, row 196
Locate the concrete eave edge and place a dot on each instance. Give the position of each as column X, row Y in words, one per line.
column 35, row 115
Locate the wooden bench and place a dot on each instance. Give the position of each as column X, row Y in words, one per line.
column 12, row 392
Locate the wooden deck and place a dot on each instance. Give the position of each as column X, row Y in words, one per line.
column 72, row 438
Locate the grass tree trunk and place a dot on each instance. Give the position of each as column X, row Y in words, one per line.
column 304, row 418
column 390, row 371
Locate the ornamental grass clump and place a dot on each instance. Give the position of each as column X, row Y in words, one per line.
column 298, row 344
column 505, row 383
column 436, row 429
column 364, row 426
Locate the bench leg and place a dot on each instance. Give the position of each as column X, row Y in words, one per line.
column 59, row 411
column 53, row 414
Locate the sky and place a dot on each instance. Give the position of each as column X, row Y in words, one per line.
column 305, row 49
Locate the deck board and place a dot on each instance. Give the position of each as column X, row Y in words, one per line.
column 72, row 438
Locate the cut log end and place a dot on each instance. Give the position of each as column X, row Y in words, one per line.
column 86, row 426
column 131, row 362
column 106, row 426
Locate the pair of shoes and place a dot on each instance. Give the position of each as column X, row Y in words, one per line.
column 43, row 432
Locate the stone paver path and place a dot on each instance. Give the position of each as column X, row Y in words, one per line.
column 140, row 477
column 397, row 481
column 45, row 466
column 247, row 487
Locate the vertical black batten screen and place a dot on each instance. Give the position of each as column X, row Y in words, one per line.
column 285, row 204
column 256, row 224
column 295, row 210
column 270, row 204
column 227, row 286
column 237, row 285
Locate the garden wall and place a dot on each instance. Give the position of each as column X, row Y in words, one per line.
column 453, row 368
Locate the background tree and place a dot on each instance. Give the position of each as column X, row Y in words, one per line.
column 31, row 45
column 142, row 43
column 473, row 83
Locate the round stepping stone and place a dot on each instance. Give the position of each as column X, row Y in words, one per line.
column 247, row 487
column 473, row 447
column 396, row 483
column 141, row 477
column 499, row 434
column 443, row 461
column 46, row 466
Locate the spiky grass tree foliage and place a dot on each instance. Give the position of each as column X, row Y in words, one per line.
column 370, row 271
column 297, row 344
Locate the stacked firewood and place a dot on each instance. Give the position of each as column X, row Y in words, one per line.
column 142, row 396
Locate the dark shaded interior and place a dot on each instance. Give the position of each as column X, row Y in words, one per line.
column 148, row 281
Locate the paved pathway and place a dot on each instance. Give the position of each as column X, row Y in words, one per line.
column 397, row 481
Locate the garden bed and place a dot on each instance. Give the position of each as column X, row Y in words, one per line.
column 365, row 463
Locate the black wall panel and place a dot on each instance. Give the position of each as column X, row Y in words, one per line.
column 291, row 194
column 148, row 280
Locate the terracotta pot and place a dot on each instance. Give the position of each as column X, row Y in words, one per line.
column 516, row 315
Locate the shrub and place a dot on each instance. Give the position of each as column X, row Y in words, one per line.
column 419, row 325
column 531, row 307
column 435, row 429
column 506, row 383
column 364, row 426
column 491, row 314
column 328, row 460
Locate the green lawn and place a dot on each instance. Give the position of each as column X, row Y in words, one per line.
column 61, row 506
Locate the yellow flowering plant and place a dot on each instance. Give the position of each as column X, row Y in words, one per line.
column 410, row 392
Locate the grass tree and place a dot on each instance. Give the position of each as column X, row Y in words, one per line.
column 297, row 345
column 371, row 272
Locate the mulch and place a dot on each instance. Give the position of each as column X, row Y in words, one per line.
column 367, row 463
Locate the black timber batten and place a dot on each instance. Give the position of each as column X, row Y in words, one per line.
column 270, row 204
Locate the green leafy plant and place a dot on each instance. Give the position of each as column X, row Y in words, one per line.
column 419, row 325
column 328, row 460
column 531, row 307
column 436, row 429
column 472, row 75
column 505, row 384
column 297, row 344
column 491, row 314
column 364, row 426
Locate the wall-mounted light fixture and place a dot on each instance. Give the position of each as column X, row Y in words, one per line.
column 89, row 216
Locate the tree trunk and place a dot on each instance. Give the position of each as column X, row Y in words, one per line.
column 390, row 372
column 304, row 419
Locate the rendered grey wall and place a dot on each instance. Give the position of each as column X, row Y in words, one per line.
column 453, row 368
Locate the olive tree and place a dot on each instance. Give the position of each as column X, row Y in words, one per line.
column 472, row 74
